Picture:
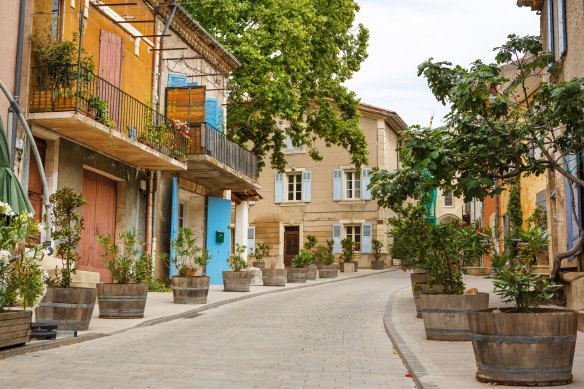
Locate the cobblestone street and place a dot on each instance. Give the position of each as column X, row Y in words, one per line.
column 327, row 336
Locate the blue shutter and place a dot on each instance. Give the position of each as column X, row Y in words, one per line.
column 365, row 181
column 250, row 240
column 306, row 187
column 175, row 80
column 288, row 142
column 212, row 111
column 192, row 84
column 337, row 237
column 279, row 188
column 366, row 238
column 572, row 228
column 173, row 223
column 549, row 9
column 337, row 185
column 562, row 32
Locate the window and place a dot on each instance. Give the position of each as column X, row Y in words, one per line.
column 352, row 185
column 557, row 41
column 290, row 146
column 354, row 232
column 181, row 215
column 294, row 187
column 55, row 19
column 448, row 200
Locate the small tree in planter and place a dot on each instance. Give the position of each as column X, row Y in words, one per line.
column 346, row 257
column 310, row 246
column 126, row 298
column 299, row 270
column 188, row 288
column 327, row 268
column 377, row 246
column 22, row 281
column 69, row 307
column 262, row 251
column 237, row 280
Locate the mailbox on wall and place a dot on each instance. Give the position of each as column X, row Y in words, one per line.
column 219, row 236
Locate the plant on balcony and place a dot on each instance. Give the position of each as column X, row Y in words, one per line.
column 101, row 112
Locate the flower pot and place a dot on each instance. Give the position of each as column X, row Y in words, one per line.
column 259, row 265
column 348, row 267
column 377, row 265
column 69, row 308
column 121, row 301
column 419, row 285
column 328, row 271
column 446, row 315
column 190, row 290
column 297, row 275
column 312, row 272
column 356, row 266
column 530, row 349
column 275, row 277
column 15, row 328
column 237, row 281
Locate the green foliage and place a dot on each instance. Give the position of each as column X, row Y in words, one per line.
column 68, row 225
column 295, row 58
column 538, row 218
column 311, row 242
column 408, row 231
column 376, row 249
column 100, row 107
column 236, row 262
column 127, row 260
column 21, row 281
column 513, row 276
column 303, row 259
column 158, row 285
column 515, row 213
column 349, row 247
column 188, row 257
column 324, row 254
column 262, row 251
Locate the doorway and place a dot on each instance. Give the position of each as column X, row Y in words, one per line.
column 291, row 243
column 35, row 186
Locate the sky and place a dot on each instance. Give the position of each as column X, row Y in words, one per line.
column 405, row 33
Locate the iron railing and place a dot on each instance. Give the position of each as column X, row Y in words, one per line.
column 206, row 139
column 73, row 88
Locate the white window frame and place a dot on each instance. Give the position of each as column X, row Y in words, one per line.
column 353, row 234
column 297, row 190
column 447, row 196
column 290, row 146
column 356, row 180
column 182, row 214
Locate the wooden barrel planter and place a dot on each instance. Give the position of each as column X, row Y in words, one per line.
column 15, row 328
column 69, row 308
column 275, row 277
column 377, row 265
column 259, row 265
column 446, row 315
column 297, row 275
column 121, row 301
column 312, row 272
column 528, row 349
column 190, row 290
column 237, row 281
column 328, row 271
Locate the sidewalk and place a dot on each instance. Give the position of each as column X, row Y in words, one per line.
column 448, row 365
column 160, row 308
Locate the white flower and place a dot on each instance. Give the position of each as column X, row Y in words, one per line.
column 6, row 209
column 5, row 255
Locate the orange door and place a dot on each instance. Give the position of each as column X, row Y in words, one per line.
column 35, row 187
column 100, row 219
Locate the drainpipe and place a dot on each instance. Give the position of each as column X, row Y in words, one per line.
column 155, row 181
column 497, row 217
column 148, row 209
column 17, row 76
column 160, row 59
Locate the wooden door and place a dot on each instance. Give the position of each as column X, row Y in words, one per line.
column 111, row 47
column 291, row 244
column 35, row 186
column 99, row 216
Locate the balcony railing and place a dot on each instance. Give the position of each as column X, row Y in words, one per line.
column 73, row 88
column 206, row 139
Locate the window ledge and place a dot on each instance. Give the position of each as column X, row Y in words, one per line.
column 294, row 152
column 352, row 202
column 292, row 204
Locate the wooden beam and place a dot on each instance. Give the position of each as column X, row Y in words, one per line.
column 132, row 21
column 173, row 48
column 149, row 36
column 178, row 59
column 113, row 4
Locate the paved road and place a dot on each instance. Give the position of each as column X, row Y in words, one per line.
column 328, row 336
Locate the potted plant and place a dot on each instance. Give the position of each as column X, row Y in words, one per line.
column 21, row 282
column 523, row 344
column 188, row 287
column 376, row 264
column 327, row 268
column 237, row 280
column 262, row 251
column 68, row 307
column 310, row 246
column 126, row 297
column 274, row 277
column 297, row 273
column 346, row 258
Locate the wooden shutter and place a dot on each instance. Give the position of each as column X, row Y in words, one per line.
column 212, row 111
column 174, row 224
column 192, row 84
column 177, row 80
column 250, row 240
column 365, row 181
column 306, row 187
column 337, row 185
column 366, row 238
column 111, row 49
column 278, row 188
column 337, row 237
column 562, row 31
column 572, row 228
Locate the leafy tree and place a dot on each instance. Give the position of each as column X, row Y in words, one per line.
column 498, row 128
column 295, row 57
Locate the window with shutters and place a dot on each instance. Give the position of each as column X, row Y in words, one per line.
column 352, row 185
column 294, row 187
column 354, row 232
column 557, row 40
column 290, row 146
column 56, row 19
column 448, row 200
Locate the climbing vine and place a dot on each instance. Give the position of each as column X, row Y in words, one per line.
column 514, row 211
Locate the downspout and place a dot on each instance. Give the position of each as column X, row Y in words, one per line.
column 497, row 217
column 17, row 76
column 160, row 59
column 154, row 218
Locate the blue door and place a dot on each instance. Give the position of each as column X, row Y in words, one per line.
column 218, row 221
column 173, row 224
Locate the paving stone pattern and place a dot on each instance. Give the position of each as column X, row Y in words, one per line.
column 327, row 336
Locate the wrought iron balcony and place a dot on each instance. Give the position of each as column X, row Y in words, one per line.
column 84, row 107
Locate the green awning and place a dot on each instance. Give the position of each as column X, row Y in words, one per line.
column 11, row 191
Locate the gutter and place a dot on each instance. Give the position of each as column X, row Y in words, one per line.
column 17, row 78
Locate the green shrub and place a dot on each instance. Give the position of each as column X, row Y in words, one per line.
column 303, row 259
column 236, row 262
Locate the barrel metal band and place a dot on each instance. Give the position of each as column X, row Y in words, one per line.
column 451, row 310
column 126, row 299
column 63, row 305
column 122, row 313
column 523, row 339
column 181, row 288
column 237, row 289
column 63, row 322
column 525, row 373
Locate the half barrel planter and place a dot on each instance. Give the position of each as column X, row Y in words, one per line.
column 15, row 328
column 419, row 286
column 297, row 275
column 446, row 315
column 190, row 290
column 328, row 271
column 237, row 281
column 312, row 272
column 527, row 349
column 68, row 308
column 275, row 277
column 377, row 265
column 121, row 301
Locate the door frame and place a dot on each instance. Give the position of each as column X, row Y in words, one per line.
column 283, row 226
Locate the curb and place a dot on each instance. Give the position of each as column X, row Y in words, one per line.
column 415, row 368
column 31, row 348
